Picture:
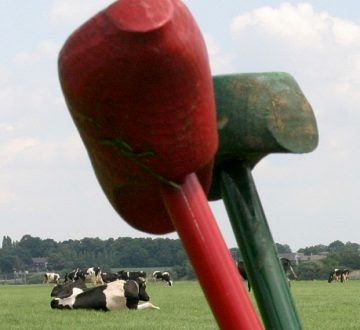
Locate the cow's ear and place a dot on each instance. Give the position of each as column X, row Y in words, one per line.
column 131, row 289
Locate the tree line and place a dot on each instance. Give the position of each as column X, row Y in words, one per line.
column 127, row 252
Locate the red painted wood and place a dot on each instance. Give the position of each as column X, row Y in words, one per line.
column 137, row 82
column 209, row 255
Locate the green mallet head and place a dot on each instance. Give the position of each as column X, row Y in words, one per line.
column 259, row 114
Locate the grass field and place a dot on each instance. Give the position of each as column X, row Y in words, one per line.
column 321, row 306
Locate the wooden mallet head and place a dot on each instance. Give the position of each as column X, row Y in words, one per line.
column 138, row 86
column 259, row 114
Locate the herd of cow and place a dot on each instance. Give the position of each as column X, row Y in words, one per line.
column 116, row 291
column 124, row 289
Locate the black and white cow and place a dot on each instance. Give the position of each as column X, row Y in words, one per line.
column 71, row 276
column 109, row 277
column 69, row 289
column 124, row 275
column 162, row 276
column 285, row 262
column 51, row 278
column 113, row 296
column 338, row 274
column 91, row 275
column 345, row 275
column 241, row 268
column 289, row 271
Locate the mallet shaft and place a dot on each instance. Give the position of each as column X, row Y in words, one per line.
column 258, row 248
column 207, row 251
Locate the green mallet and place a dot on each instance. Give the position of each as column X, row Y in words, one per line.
column 259, row 114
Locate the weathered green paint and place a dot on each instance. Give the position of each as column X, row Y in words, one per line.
column 259, row 114
column 258, row 250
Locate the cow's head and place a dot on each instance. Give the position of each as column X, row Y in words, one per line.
column 142, row 286
column 135, row 290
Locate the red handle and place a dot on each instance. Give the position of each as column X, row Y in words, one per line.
column 208, row 253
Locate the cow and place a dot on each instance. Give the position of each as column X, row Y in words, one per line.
column 92, row 275
column 345, row 275
column 68, row 289
column 51, row 278
column 71, row 276
column 338, row 274
column 110, row 277
column 241, row 268
column 289, row 271
column 334, row 275
column 285, row 262
column 113, row 296
column 124, row 275
column 163, row 276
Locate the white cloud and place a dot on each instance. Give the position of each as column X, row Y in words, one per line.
column 6, row 127
column 14, row 147
column 322, row 52
column 219, row 62
column 46, row 50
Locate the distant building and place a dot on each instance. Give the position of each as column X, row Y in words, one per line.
column 39, row 264
column 297, row 257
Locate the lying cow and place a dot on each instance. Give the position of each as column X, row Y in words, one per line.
column 115, row 295
column 51, row 278
column 69, row 289
column 162, row 276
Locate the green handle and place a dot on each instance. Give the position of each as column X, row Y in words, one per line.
column 258, row 249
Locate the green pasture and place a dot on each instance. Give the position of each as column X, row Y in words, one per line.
column 321, row 306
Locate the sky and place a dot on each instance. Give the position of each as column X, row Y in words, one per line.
column 47, row 186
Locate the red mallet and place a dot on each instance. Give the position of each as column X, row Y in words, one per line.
column 140, row 93
column 137, row 83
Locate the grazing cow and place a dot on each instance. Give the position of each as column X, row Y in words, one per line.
column 163, row 276
column 338, row 274
column 285, row 262
column 345, row 275
column 241, row 268
column 51, row 278
column 289, row 271
column 109, row 277
column 124, row 275
column 334, row 275
column 115, row 295
column 68, row 289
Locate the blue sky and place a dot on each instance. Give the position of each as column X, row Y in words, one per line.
column 47, row 186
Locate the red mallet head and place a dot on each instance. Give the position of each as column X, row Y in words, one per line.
column 137, row 83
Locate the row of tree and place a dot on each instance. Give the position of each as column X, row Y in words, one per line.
column 126, row 252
